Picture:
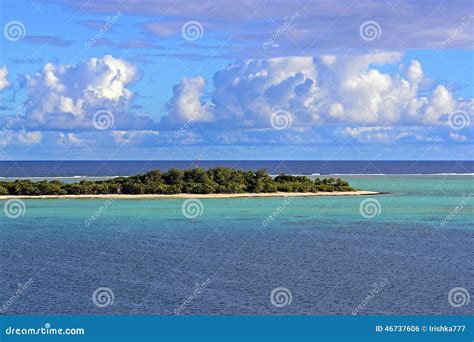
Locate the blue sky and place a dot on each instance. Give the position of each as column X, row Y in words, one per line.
column 236, row 80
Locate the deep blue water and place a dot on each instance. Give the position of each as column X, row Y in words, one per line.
column 127, row 168
column 322, row 249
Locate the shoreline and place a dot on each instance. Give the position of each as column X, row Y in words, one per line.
column 203, row 196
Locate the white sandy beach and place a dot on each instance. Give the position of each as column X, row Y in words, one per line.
column 203, row 196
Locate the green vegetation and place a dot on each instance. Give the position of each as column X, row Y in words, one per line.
column 194, row 181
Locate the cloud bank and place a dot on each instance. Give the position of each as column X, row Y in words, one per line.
column 317, row 91
column 326, row 99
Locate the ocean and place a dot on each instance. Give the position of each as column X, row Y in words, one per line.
column 402, row 253
column 28, row 169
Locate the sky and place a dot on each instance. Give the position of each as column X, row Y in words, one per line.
column 240, row 80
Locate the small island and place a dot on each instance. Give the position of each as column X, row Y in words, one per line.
column 216, row 182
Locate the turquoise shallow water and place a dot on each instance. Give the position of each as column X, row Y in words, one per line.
column 326, row 251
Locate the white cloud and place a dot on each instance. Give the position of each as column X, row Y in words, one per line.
column 186, row 101
column 69, row 138
column 6, row 138
column 441, row 102
column 328, row 60
column 457, row 137
column 3, row 78
column 316, row 91
column 20, row 138
column 63, row 95
column 368, row 134
column 247, row 93
column 133, row 137
column 28, row 138
column 415, row 71
column 388, row 135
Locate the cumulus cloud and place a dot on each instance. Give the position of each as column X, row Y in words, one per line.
column 69, row 138
column 441, row 102
column 28, row 138
column 246, row 93
column 318, row 91
column 328, row 97
column 186, row 102
column 3, row 78
column 21, row 137
column 415, row 71
column 66, row 96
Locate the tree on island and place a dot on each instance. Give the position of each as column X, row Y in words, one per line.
column 219, row 180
